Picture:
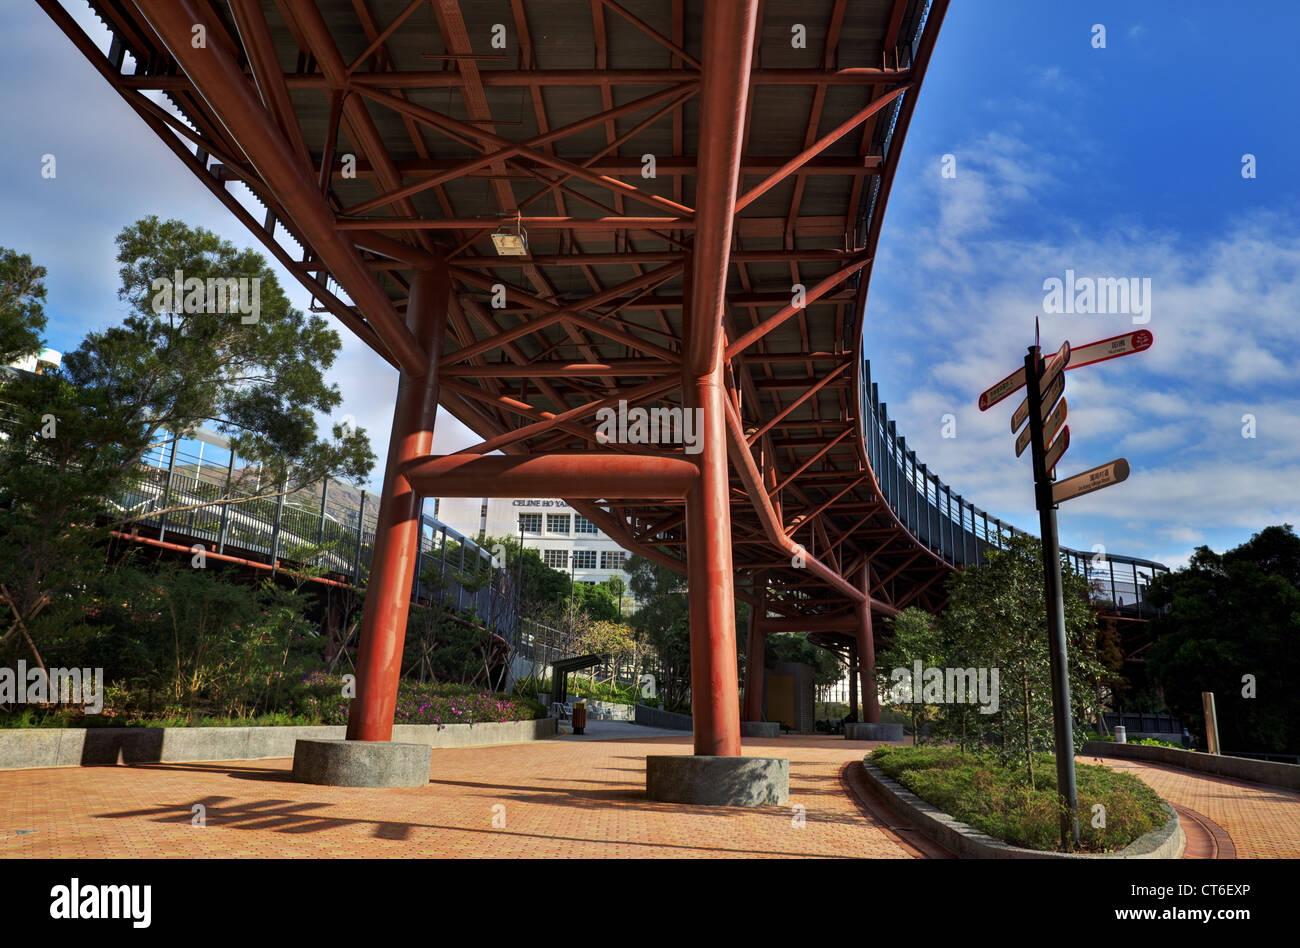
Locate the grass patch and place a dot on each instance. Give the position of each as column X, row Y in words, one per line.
column 996, row 799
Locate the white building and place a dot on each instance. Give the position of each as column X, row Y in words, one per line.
column 566, row 539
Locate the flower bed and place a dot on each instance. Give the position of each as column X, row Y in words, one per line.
column 417, row 703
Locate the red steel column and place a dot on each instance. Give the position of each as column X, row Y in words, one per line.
column 397, row 534
column 728, row 28
column 755, row 653
column 867, row 652
column 853, row 683
column 715, row 698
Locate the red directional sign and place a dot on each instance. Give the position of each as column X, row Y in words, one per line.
column 1012, row 383
column 1111, row 348
column 1089, row 481
column 1058, row 447
column 1050, row 395
column 1050, row 427
column 1054, row 368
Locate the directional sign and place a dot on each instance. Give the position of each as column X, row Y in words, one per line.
column 1112, row 348
column 1054, row 368
column 1050, row 396
column 1089, row 481
column 1058, row 447
column 1012, row 383
column 1050, row 427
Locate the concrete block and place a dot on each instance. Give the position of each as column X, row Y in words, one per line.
column 760, row 728
column 361, row 763
column 873, row 732
column 718, row 781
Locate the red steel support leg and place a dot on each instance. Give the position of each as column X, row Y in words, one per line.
column 867, row 653
column 755, row 653
column 715, row 699
column 728, row 29
column 397, row 534
column 853, row 684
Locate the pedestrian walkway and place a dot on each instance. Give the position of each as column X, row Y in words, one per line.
column 1252, row 820
column 601, row 730
column 548, row 799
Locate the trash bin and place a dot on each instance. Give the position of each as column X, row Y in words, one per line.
column 1121, row 735
column 579, row 716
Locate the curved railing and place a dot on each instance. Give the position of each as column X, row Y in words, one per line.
column 960, row 533
column 451, row 567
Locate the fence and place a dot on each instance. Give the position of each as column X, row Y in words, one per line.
column 336, row 533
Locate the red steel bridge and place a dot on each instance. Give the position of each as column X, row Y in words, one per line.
column 537, row 211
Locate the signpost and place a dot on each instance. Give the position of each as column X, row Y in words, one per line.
column 1045, row 384
column 1089, row 481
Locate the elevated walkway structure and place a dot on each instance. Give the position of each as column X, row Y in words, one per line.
column 544, row 214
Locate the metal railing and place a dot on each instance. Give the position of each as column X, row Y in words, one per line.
column 335, row 533
column 962, row 534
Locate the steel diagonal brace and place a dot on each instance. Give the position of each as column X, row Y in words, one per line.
column 743, row 461
column 679, row 93
column 553, row 314
column 218, row 77
column 788, row 311
column 447, row 124
column 816, row 148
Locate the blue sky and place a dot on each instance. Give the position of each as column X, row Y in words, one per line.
column 1123, row 161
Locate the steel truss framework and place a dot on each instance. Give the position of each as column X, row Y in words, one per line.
column 701, row 186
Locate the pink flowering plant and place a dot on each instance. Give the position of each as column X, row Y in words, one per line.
column 321, row 697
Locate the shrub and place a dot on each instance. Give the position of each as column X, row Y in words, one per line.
column 997, row 799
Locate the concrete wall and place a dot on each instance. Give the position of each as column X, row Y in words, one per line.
column 83, row 747
column 1241, row 768
column 657, row 717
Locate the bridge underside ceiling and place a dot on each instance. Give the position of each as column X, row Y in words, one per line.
column 580, row 127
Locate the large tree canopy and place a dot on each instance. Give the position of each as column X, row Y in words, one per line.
column 1231, row 628
column 74, row 438
column 22, row 315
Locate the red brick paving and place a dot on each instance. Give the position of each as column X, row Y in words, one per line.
column 1259, row 821
column 557, row 799
column 560, row 798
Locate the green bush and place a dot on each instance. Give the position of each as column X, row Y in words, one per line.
column 996, row 799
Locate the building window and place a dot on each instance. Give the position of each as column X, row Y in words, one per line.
column 582, row 525
column 530, row 523
column 584, row 559
column 557, row 523
column 556, row 559
column 612, row 560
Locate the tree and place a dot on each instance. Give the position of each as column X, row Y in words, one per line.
column 913, row 637
column 75, row 438
column 22, row 316
column 1232, row 623
column 663, row 620
column 996, row 617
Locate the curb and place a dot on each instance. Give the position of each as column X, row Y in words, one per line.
column 27, row 748
column 1268, row 772
column 966, row 842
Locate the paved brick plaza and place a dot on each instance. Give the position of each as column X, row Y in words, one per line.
column 560, row 798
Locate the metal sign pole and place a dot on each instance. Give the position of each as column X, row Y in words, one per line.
column 1064, row 737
